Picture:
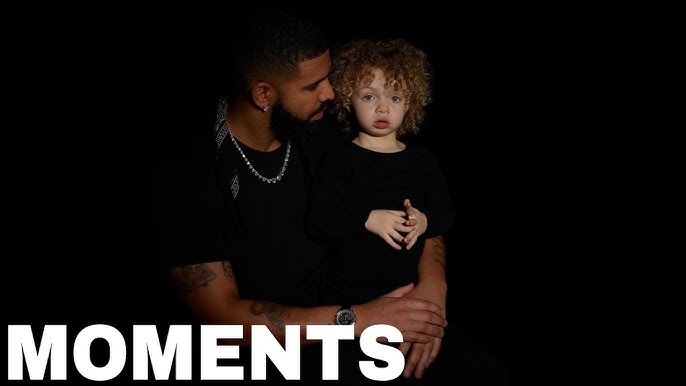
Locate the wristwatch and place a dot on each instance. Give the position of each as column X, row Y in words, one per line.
column 345, row 316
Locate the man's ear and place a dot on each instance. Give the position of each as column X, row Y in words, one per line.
column 263, row 95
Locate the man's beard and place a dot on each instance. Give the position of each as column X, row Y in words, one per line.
column 287, row 127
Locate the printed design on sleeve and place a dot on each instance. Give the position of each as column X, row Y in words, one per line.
column 220, row 127
column 234, row 184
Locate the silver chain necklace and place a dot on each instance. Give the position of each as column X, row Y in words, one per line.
column 252, row 169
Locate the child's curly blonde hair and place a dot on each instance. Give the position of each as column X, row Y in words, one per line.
column 404, row 66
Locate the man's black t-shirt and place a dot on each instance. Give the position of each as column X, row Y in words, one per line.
column 223, row 212
column 271, row 255
column 226, row 213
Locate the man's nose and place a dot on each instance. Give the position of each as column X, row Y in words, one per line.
column 327, row 93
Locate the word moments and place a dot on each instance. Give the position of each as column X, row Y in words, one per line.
column 146, row 346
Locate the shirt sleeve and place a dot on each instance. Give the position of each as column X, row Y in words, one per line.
column 440, row 211
column 199, row 229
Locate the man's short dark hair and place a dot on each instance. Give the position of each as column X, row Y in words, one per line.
column 269, row 46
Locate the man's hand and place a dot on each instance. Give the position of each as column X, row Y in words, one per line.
column 416, row 219
column 420, row 355
column 419, row 320
column 387, row 223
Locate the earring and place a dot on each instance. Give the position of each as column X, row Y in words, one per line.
column 265, row 108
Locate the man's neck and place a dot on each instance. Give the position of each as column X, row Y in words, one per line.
column 250, row 126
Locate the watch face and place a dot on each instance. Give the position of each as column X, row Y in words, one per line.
column 345, row 317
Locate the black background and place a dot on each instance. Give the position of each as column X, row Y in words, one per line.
column 89, row 164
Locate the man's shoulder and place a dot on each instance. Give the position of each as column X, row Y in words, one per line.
column 328, row 138
column 328, row 134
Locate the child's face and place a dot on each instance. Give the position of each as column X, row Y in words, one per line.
column 378, row 110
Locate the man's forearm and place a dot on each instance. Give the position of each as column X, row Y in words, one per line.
column 276, row 317
column 431, row 267
column 210, row 293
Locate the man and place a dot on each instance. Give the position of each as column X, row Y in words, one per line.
column 240, row 254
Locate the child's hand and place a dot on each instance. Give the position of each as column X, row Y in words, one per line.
column 387, row 223
column 414, row 218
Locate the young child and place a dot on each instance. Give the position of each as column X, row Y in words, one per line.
column 359, row 204
column 361, row 189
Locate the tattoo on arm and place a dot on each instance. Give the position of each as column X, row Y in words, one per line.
column 195, row 276
column 275, row 313
column 228, row 271
column 439, row 251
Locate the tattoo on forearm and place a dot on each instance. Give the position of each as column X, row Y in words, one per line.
column 439, row 251
column 194, row 276
column 228, row 271
column 276, row 314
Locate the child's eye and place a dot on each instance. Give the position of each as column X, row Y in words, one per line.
column 368, row 97
column 396, row 98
